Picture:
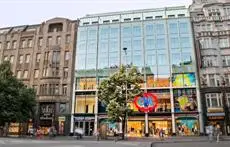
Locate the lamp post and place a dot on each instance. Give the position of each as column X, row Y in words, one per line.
column 126, row 92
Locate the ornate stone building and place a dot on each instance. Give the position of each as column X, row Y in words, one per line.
column 42, row 56
column 211, row 24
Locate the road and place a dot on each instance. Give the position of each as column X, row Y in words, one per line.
column 194, row 144
column 68, row 143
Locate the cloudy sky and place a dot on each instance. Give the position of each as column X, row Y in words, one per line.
column 22, row 12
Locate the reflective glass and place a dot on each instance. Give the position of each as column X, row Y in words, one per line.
column 160, row 43
column 149, row 29
column 149, row 43
column 176, row 59
column 185, row 42
column 184, row 28
column 137, row 31
column 91, row 61
column 114, row 46
column 173, row 29
column 126, row 31
column 137, row 44
column 81, row 58
column 92, row 47
column 160, row 29
column 92, row 34
column 175, row 42
column 104, row 33
column 114, row 32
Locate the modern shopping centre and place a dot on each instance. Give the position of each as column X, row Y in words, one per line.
column 159, row 43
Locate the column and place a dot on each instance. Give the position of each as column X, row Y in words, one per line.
column 172, row 113
column 73, row 108
column 146, row 124
column 201, row 119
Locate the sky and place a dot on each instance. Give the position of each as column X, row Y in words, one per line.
column 27, row 12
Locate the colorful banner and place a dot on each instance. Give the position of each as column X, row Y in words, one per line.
column 146, row 103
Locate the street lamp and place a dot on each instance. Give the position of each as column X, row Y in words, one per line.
column 126, row 91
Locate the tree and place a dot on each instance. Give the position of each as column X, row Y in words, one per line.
column 112, row 92
column 17, row 102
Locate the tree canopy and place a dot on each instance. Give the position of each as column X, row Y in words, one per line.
column 112, row 92
column 17, row 102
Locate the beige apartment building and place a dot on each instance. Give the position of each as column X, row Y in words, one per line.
column 211, row 25
column 43, row 57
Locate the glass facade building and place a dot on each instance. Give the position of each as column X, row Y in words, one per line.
column 160, row 43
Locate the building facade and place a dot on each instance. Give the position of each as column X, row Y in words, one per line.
column 160, row 44
column 42, row 56
column 211, row 24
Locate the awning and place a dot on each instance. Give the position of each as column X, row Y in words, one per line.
column 215, row 114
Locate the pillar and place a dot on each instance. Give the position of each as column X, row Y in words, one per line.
column 146, row 124
column 172, row 113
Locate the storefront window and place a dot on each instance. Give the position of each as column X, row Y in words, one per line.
column 187, row 126
column 85, row 104
column 136, row 128
column 86, row 83
column 156, row 125
column 185, row 100
column 180, row 80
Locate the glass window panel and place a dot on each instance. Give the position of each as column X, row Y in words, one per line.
column 177, row 80
column 81, row 58
column 137, row 60
column 185, row 42
column 85, row 104
column 184, row 28
column 160, row 44
column 137, row 45
column 114, row 32
column 175, row 42
column 127, row 44
column 150, row 44
column 114, row 46
column 92, row 47
column 189, row 79
column 103, row 62
column 92, row 34
column 187, row 58
column 104, row 33
column 136, row 30
column 151, row 59
column 149, row 29
column 162, row 81
column 82, row 35
column 81, row 47
column 176, row 59
column 103, row 47
column 91, row 61
column 160, row 29
column 173, row 29
column 126, row 31
column 161, row 59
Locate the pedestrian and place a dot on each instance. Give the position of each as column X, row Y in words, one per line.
column 218, row 132
column 50, row 131
column 161, row 134
column 39, row 133
column 210, row 133
column 115, row 131
column 97, row 134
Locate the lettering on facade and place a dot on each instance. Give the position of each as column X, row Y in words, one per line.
column 46, row 111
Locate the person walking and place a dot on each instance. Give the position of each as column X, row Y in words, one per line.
column 161, row 134
column 97, row 134
column 210, row 133
column 218, row 132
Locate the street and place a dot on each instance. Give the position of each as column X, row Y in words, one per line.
column 67, row 143
column 193, row 144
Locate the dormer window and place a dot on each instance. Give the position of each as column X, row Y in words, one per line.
column 127, row 19
column 56, row 27
column 137, row 18
column 106, row 21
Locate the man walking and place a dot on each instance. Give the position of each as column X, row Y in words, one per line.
column 217, row 129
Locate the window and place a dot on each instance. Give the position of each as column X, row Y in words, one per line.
column 14, row 44
column 56, row 58
column 226, row 60
column 30, row 42
column 25, row 74
column 149, row 29
column 19, row 74
column 36, row 73
column 58, row 40
column 85, row 23
column 228, row 99
column 40, row 42
column 20, row 59
column 65, row 73
column 160, row 29
column 184, row 28
column 35, row 87
column 45, row 72
column 64, row 89
column 56, row 92
column 115, row 20
column 106, row 21
column 149, row 18
column 224, row 42
column 62, row 108
column 38, row 57
column 209, row 61
column 27, row 58
column 206, row 43
column 212, row 80
column 173, row 29
column 127, row 19
column 136, row 31
column 5, row 58
column 181, row 15
column 213, row 100
column 7, row 45
column 158, row 17
column 49, row 41
column 137, row 18
column 67, row 55
column 12, row 59
column 95, row 22
column 23, row 44
column 67, row 38
column 171, row 16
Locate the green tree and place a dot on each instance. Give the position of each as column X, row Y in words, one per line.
column 112, row 92
column 17, row 102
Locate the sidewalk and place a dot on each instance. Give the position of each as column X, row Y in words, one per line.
column 132, row 139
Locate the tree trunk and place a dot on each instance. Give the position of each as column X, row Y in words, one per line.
column 123, row 127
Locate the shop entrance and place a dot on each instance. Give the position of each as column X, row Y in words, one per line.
column 136, row 128
column 87, row 126
column 156, row 126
